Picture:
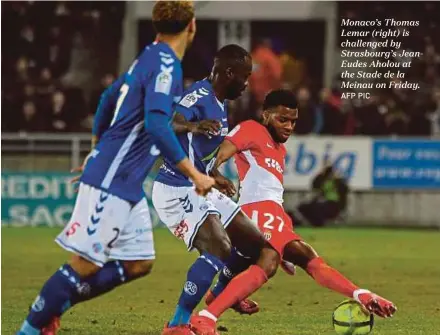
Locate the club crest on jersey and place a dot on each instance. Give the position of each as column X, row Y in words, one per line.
column 204, row 207
column 267, row 235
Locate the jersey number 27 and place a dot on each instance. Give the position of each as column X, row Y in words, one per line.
column 270, row 221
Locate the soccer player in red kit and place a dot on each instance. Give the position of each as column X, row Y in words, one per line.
column 260, row 154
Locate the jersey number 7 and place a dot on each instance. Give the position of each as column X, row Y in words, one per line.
column 123, row 93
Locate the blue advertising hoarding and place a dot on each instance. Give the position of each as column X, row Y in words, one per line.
column 44, row 199
column 34, row 198
column 408, row 164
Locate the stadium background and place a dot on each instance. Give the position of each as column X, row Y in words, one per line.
column 61, row 55
column 57, row 57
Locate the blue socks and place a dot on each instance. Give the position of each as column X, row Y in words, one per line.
column 235, row 264
column 54, row 298
column 199, row 280
column 111, row 275
column 65, row 289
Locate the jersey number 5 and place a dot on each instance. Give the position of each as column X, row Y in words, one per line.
column 270, row 220
column 123, row 93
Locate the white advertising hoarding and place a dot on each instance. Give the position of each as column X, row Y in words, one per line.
column 306, row 157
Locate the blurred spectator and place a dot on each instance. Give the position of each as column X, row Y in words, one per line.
column 22, row 71
column 329, row 200
column 293, row 71
column 395, row 118
column 60, row 113
column 267, row 71
column 307, row 113
column 29, row 92
column 81, row 67
column 27, row 44
column 434, row 115
column 58, row 55
column 30, row 119
column 106, row 81
column 73, row 47
column 329, row 111
column 370, row 117
column 45, row 40
column 46, row 84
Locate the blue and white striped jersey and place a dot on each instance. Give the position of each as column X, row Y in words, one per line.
column 199, row 103
column 126, row 151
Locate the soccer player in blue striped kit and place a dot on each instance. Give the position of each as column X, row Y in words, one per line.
column 110, row 232
column 213, row 225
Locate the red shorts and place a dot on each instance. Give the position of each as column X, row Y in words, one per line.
column 273, row 222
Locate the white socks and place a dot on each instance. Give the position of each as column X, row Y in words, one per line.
column 208, row 315
column 357, row 293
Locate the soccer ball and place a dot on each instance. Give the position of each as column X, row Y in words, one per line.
column 350, row 318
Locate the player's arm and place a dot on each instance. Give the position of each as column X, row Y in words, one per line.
column 158, row 105
column 226, row 151
column 158, row 126
column 106, row 107
column 187, row 123
column 102, row 120
column 238, row 139
column 181, row 125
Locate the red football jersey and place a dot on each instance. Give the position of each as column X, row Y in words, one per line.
column 260, row 163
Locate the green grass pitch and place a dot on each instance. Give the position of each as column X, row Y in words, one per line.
column 401, row 265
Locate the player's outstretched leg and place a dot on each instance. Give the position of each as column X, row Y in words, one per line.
column 303, row 255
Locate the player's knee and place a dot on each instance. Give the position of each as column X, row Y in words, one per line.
column 271, row 269
column 137, row 269
column 269, row 261
column 82, row 266
column 299, row 253
column 213, row 239
column 222, row 248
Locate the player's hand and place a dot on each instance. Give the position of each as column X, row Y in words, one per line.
column 376, row 304
column 203, row 184
column 207, row 127
column 224, row 185
column 79, row 170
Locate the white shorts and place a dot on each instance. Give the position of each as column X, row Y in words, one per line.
column 183, row 211
column 104, row 227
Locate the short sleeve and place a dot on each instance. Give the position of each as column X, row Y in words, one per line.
column 241, row 135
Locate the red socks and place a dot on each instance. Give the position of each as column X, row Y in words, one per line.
column 238, row 289
column 253, row 278
column 330, row 278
